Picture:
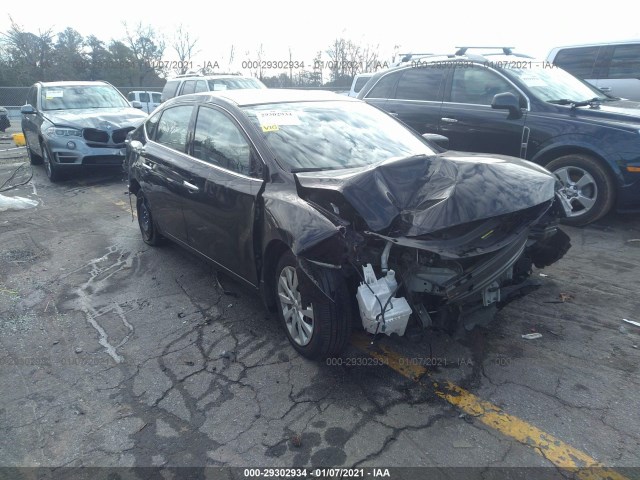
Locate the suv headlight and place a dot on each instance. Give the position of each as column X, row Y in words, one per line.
column 63, row 132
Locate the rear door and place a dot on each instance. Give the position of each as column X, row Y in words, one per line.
column 468, row 120
column 224, row 184
column 417, row 98
column 165, row 168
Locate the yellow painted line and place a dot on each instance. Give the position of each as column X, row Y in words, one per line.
column 553, row 449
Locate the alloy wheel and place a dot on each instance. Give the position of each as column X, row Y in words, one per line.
column 298, row 318
column 579, row 188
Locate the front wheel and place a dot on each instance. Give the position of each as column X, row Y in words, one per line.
column 50, row 167
column 586, row 185
column 317, row 329
column 150, row 234
column 34, row 159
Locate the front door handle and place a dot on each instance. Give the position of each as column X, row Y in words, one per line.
column 449, row 120
column 605, row 89
column 146, row 165
column 190, row 186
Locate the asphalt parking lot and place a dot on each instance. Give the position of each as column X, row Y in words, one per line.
column 114, row 353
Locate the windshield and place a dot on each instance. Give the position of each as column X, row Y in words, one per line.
column 234, row 83
column 333, row 135
column 550, row 83
column 71, row 97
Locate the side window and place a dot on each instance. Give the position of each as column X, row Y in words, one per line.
column 151, row 126
column 201, row 86
column 144, row 97
column 577, row 61
column 625, row 62
column 131, row 96
column 156, row 97
column 218, row 141
column 478, row 86
column 173, row 127
column 188, row 87
column 420, row 84
column 384, row 87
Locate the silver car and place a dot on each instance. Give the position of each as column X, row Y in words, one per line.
column 70, row 124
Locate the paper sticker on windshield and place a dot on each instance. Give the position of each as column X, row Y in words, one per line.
column 54, row 94
column 277, row 117
column 270, row 128
column 532, row 81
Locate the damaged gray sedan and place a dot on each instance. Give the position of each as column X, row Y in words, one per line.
column 334, row 210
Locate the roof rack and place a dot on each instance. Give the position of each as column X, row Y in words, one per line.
column 506, row 50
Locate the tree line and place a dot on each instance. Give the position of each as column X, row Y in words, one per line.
column 138, row 59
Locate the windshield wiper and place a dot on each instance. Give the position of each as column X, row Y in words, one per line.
column 310, row 169
column 595, row 101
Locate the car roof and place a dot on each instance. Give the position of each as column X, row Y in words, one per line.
column 208, row 77
column 598, row 44
column 250, row 96
column 73, row 83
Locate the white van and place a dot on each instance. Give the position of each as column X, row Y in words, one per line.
column 613, row 68
column 149, row 100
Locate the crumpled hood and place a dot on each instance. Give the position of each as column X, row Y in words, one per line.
column 422, row 194
column 97, row 118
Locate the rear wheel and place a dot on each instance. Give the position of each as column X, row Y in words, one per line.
column 148, row 229
column 586, row 185
column 317, row 329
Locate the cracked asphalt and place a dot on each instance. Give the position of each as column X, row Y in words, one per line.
column 114, row 353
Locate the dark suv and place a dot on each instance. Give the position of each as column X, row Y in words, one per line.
column 515, row 105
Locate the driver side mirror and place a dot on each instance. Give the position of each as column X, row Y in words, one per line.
column 507, row 101
column 27, row 109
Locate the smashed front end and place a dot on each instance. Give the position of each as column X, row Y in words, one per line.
column 441, row 241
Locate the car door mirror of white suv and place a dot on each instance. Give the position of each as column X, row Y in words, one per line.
column 136, row 104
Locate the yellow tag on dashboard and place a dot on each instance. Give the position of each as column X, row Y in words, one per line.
column 270, row 128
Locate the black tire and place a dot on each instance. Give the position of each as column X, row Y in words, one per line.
column 587, row 185
column 34, row 159
column 150, row 233
column 52, row 170
column 331, row 323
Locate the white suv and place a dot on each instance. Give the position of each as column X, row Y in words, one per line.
column 613, row 68
column 185, row 84
column 149, row 100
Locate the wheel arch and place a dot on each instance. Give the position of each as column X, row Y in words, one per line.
column 274, row 249
column 546, row 156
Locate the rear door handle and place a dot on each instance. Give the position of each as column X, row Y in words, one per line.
column 449, row 120
column 146, row 165
column 190, row 186
column 393, row 114
column 605, row 89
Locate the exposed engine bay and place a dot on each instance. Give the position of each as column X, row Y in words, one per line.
column 429, row 252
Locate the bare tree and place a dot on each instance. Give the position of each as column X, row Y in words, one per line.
column 148, row 48
column 185, row 46
column 27, row 54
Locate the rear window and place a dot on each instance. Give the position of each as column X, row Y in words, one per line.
column 578, row 61
column 169, row 90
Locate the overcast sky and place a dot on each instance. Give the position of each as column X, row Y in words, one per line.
column 305, row 27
